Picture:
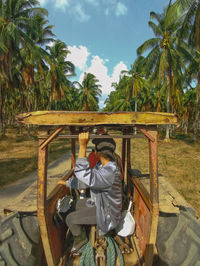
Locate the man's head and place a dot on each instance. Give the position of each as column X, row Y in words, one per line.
column 105, row 146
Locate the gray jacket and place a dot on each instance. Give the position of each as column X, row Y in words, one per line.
column 106, row 191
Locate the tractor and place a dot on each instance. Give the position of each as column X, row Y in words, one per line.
column 166, row 230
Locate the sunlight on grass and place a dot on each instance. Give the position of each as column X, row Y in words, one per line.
column 178, row 161
column 18, row 156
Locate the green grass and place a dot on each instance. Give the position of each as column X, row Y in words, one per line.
column 18, row 155
column 178, row 161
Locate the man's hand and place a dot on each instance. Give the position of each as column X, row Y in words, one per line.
column 83, row 139
column 62, row 182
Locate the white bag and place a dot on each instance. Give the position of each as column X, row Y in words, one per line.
column 126, row 225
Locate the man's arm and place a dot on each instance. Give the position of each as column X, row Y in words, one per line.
column 83, row 141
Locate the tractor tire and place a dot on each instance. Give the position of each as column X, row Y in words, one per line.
column 178, row 239
column 20, row 242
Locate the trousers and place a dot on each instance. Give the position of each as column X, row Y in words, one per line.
column 83, row 215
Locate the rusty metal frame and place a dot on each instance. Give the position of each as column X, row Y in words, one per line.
column 123, row 152
column 145, row 122
column 102, row 136
column 73, row 148
column 51, row 137
column 128, row 162
column 154, row 194
column 151, row 199
column 41, row 197
column 42, row 210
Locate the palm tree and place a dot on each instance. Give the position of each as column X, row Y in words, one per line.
column 162, row 62
column 193, row 74
column 60, row 70
column 15, row 20
column 34, row 59
column 136, row 81
column 109, row 102
column 89, row 93
column 121, row 99
column 74, row 104
column 188, row 12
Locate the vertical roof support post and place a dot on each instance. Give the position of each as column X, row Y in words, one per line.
column 73, row 148
column 123, row 155
column 152, row 135
column 41, row 198
column 153, row 166
column 128, row 167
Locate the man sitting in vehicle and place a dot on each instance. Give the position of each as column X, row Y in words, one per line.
column 104, row 180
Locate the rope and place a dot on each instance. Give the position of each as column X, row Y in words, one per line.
column 121, row 259
column 110, row 252
column 83, row 250
column 87, row 257
column 113, row 249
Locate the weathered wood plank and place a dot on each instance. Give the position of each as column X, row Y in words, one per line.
column 96, row 118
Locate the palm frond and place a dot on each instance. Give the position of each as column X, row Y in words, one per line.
column 197, row 27
column 177, row 10
column 155, row 28
column 152, row 60
column 151, row 43
column 158, row 17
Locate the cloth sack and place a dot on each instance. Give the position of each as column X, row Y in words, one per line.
column 126, row 225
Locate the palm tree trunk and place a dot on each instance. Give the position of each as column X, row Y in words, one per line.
column 50, row 101
column 168, row 106
column 86, row 108
column 29, row 107
column 196, row 120
column 2, row 116
column 135, row 104
column 135, row 130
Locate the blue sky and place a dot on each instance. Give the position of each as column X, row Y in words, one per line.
column 102, row 35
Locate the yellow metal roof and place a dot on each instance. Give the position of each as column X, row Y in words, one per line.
column 96, row 118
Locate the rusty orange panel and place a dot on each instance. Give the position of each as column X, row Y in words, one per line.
column 143, row 220
column 56, row 234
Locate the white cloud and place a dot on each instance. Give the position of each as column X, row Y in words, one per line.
column 78, row 8
column 117, row 71
column 43, row 2
column 78, row 56
column 93, row 2
column 99, row 69
column 80, row 13
column 121, row 9
column 117, row 7
column 61, row 4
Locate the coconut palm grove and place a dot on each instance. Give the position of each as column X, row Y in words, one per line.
column 35, row 73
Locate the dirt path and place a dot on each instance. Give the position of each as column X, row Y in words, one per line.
column 10, row 193
column 13, row 195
